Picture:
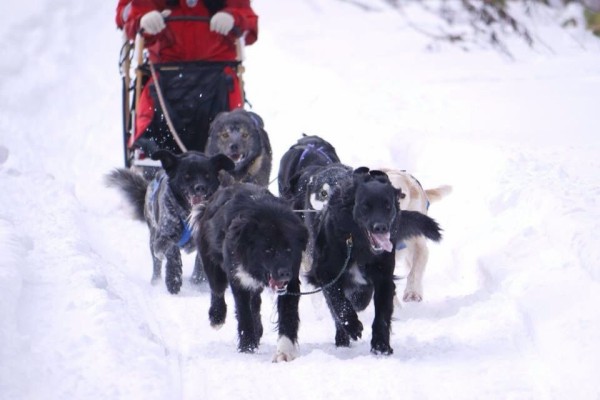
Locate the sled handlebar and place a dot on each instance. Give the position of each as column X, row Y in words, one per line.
column 235, row 30
column 188, row 18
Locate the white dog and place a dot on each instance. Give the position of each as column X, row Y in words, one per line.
column 416, row 253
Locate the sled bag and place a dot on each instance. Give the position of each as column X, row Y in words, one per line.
column 194, row 94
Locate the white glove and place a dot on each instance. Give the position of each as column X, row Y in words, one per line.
column 154, row 21
column 222, row 23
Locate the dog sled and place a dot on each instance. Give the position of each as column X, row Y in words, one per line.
column 185, row 94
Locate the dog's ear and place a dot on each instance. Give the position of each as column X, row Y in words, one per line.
column 167, row 159
column 222, row 162
column 360, row 174
column 379, row 176
column 240, row 230
column 258, row 121
column 225, row 178
column 400, row 194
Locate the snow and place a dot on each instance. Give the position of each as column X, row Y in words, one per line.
column 510, row 308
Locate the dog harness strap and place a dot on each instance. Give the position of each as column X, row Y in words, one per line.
column 426, row 198
column 155, row 186
column 308, row 148
column 348, row 255
column 186, row 235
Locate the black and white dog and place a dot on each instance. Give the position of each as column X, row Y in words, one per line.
column 308, row 152
column 165, row 203
column 241, row 136
column 356, row 237
column 249, row 240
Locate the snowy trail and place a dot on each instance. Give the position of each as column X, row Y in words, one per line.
column 511, row 293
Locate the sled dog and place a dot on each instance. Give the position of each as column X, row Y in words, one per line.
column 240, row 135
column 307, row 152
column 414, row 252
column 165, row 202
column 356, row 237
column 249, row 240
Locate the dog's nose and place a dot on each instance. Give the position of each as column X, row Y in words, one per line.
column 200, row 188
column 284, row 274
column 380, row 227
column 233, row 147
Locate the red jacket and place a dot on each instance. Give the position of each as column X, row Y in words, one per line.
column 191, row 40
column 187, row 41
column 123, row 9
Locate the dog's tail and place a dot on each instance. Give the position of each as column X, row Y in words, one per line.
column 438, row 193
column 413, row 223
column 133, row 186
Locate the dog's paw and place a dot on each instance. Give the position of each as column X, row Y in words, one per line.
column 412, row 295
column 381, row 348
column 173, row 283
column 353, row 328
column 286, row 350
column 216, row 315
column 155, row 280
column 247, row 346
column 216, row 327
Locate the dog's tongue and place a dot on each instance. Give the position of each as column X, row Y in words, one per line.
column 277, row 285
column 382, row 240
column 196, row 199
column 235, row 157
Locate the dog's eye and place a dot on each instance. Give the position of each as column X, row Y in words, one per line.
column 187, row 177
column 269, row 251
column 288, row 250
column 224, row 135
column 324, row 194
column 245, row 135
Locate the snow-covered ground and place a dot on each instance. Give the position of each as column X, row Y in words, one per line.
column 511, row 293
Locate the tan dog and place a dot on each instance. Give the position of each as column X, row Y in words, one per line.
column 416, row 253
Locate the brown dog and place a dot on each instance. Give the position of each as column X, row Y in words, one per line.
column 416, row 253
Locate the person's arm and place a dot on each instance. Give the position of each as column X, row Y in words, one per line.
column 122, row 13
column 245, row 20
column 139, row 9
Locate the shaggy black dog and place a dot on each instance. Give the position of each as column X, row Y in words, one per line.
column 250, row 239
column 240, row 135
column 357, row 234
column 307, row 152
column 165, row 203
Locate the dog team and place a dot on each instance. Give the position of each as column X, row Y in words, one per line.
column 342, row 230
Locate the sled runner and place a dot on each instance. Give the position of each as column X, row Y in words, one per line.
column 186, row 97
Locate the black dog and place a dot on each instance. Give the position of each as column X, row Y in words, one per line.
column 357, row 233
column 240, row 135
column 250, row 239
column 188, row 179
column 307, row 152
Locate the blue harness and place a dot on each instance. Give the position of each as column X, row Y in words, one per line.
column 311, row 147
